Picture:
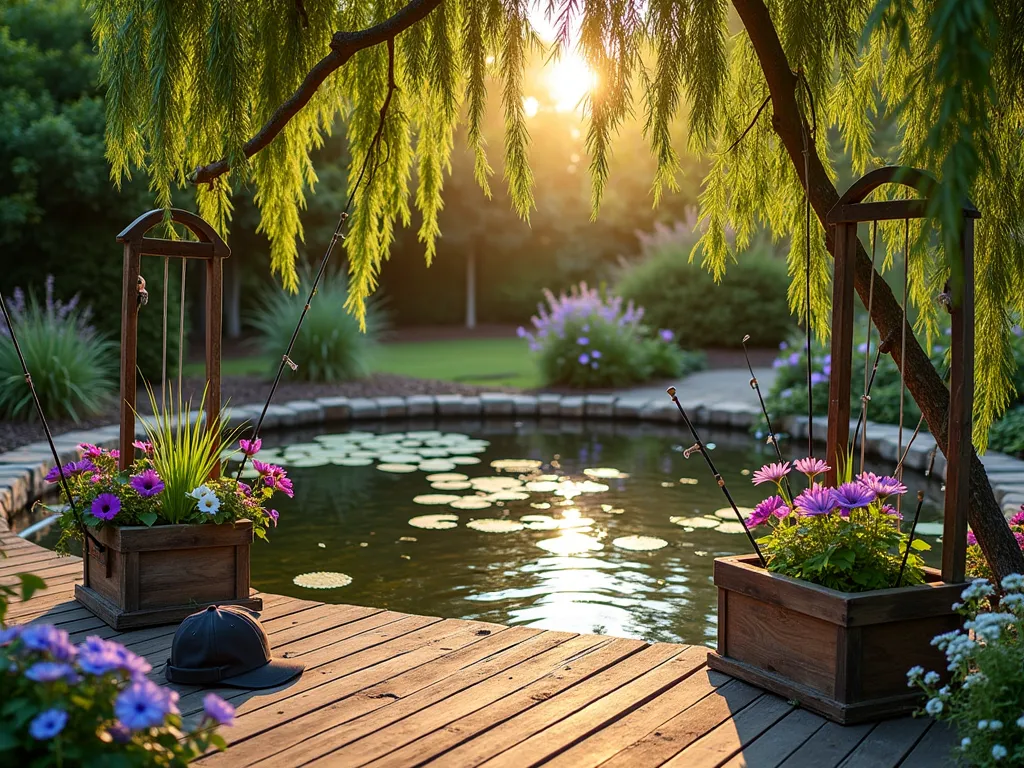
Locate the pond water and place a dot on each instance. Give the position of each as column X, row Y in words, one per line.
column 531, row 523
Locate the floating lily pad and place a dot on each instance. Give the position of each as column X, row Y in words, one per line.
column 322, row 580
column 436, row 465
column 688, row 480
column 400, row 458
column 571, row 543
column 639, row 543
column 464, row 460
column 572, row 488
column 310, row 461
column 540, row 505
column 487, row 525
column 509, row 496
column 445, row 476
column 926, row 529
column 727, row 513
column 695, row 522
column 350, row 461
column 397, row 468
column 435, row 498
column 604, row 473
column 542, row 486
column 516, row 465
column 539, row 522
column 435, row 522
column 433, row 453
column 451, row 485
column 494, row 484
column 731, row 528
column 470, row 502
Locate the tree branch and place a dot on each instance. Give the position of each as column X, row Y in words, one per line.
column 344, row 45
column 985, row 516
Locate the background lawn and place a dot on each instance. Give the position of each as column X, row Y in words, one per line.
column 486, row 362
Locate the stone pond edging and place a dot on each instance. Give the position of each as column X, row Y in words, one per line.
column 22, row 470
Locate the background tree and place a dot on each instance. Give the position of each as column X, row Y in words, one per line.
column 230, row 93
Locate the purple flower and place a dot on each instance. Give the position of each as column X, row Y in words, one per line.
column 583, row 341
column 890, row 510
column 666, row 335
column 882, row 486
column 105, row 506
column 90, row 451
column 48, row 639
column 143, row 445
column 786, row 393
column 827, row 369
column 218, row 710
column 811, row 466
column 818, row 378
column 815, row 501
column 1020, row 539
column 772, row 506
column 143, row 705
column 9, row 635
column 971, row 538
column 136, row 666
column 771, row 473
column 521, row 332
column 51, row 671
column 48, row 724
column 783, row 345
column 119, row 733
column 794, row 358
column 274, row 514
column 70, row 469
column 1017, row 331
column 778, row 362
column 1018, row 518
column 250, row 447
column 850, row 496
column 862, row 347
column 245, row 489
column 595, row 354
column 147, row 483
column 584, row 359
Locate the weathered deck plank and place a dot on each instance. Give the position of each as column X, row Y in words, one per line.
column 388, row 689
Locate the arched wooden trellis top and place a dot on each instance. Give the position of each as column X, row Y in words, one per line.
column 847, row 213
column 209, row 247
column 210, row 244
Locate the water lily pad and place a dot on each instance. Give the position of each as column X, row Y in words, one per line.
column 695, row 522
column 639, row 543
column 436, row 465
column 397, row 468
column 688, row 480
column 400, row 458
column 435, row 498
column 571, row 488
column 509, row 496
column 925, row 529
column 604, row 473
column 465, row 460
column 433, row 453
column 487, row 525
column 445, row 476
column 470, row 502
column 350, row 461
column 451, row 485
column 495, row 484
column 516, row 465
column 310, row 461
column 727, row 513
column 571, row 543
column 435, row 522
column 540, row 522
column 731, row 528
column 322, row 580
column 540, row 505
column 542, row 486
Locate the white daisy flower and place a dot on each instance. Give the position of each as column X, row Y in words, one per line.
column 209, row 503
column 933, row 707
column 200, row 491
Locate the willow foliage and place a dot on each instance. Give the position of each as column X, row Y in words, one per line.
column 189, row 82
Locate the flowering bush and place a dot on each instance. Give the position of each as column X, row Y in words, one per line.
column 73, row 367
column 92, row 704
column 977, row 565
column 984, row 697
column 584, row 339
column 846, row 538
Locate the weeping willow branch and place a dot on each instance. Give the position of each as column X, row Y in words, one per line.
column 344, row 45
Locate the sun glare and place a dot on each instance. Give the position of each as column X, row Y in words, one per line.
column 569, row 80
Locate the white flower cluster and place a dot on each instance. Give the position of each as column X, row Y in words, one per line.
column 1013, row 601
column 998, row 752
column 989, row 626
column 933, row 707
column 975, row 678
column 931, row 678
column 992, row 725
column 979, row 588
column 208, row 501
column 1013, row 583
column 957, row 645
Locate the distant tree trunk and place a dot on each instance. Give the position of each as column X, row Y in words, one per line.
column 985, row 515
column 471, row 287
column 232, row 299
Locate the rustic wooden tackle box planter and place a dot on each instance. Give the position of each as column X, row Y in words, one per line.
column 141, row 577
column 843, row 655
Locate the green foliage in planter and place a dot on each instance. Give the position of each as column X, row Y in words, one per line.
column 680, row 295
column 1007, row 432
column 73, row 367
column 330, row 347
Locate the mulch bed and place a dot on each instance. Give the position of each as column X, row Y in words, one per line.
column 246, row 390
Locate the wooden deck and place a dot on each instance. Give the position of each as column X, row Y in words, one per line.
column 390, row 689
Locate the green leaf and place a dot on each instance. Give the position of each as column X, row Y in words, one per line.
column 920, row 545
column 148, row 518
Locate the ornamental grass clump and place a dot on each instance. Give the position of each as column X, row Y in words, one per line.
column 92, row 704
column 981, row 691
column 846, row 538
column 586, row 339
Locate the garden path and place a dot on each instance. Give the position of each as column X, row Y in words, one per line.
column 724, row 385
column 389, row 689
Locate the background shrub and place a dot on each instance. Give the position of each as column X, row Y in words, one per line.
column 330, row 347
column 586, row 340
column 73, row 367
column 683, row 297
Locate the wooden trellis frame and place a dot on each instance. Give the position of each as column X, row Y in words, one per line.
column 208, row 247
column 845, row 216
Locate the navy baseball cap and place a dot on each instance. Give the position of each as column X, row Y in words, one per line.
column 226, row 645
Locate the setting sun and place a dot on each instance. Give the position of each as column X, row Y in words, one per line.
column 569, row 80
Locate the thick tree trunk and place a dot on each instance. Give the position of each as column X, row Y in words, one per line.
column 923, row 381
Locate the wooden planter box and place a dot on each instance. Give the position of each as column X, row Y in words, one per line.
column 843, row 655
column 143, row 576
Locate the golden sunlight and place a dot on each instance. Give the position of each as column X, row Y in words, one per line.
column 569, row 80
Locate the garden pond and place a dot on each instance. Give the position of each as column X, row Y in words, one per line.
column 586, row 527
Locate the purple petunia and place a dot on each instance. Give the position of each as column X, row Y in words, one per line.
column 274, row 515
column 47, row 724
column 147, row 483
column 143, row 704
column 818, row 378
column 771, row 473
column 70, row 469
column 811, row 466
column 583, row 341
column 105, row 506
column 51, row 671
column 851, row 496
column 794, row 358
column 9, row 635
column 815, row 501
column 595, row 354
column 218, row 710
column 49, row 639
column 584, row 359
column 882, row 486
column 250, row 447
column 890, row 510
column 666, row 335
column 773, row 506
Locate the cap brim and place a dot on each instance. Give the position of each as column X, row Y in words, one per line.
column 272, row 674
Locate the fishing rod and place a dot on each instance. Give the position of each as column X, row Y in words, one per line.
column 699, row 445
column 910, row 540
column 772, row 437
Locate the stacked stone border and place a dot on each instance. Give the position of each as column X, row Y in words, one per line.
column 22, row 470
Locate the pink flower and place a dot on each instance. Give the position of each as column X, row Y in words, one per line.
column 282, row 484
column 274, row 514
column 267, row 470
column 811, row 466
column 105, row 506
column 90, row 451
column 147, row 483
column 771, row 473
column 250, row 447
column 1018, row 519
column 143, row 445
column 763, row 512
column 815, row 501
column 115, row 454
column 882, row 486
column 971, row 538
